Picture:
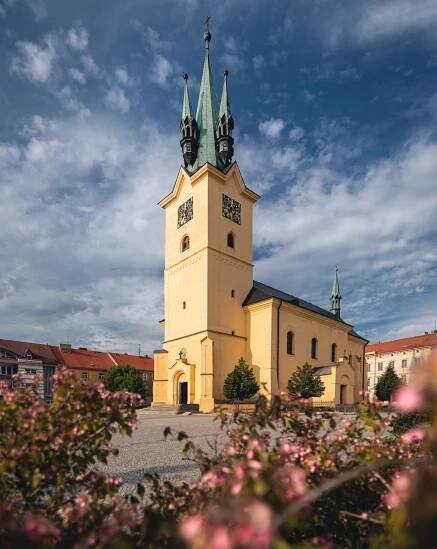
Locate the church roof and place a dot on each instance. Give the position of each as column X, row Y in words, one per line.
column 260, row 292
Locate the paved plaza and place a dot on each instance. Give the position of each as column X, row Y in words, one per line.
column 147, row 451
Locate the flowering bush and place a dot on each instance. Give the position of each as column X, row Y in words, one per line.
column 286, row 477
column 51, row 490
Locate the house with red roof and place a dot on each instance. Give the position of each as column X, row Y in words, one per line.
column 404, row 355
column 37, row 359
column 92, row 365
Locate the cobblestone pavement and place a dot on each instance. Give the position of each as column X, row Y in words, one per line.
column 147, row 451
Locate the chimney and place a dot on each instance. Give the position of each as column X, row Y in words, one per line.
column 65, row 347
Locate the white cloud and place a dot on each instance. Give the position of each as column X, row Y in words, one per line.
column 272, row 127
column 233, row 61
column 116, row 98
column 366, row 22
column 35, row 61
column 89, row 65
column 161, row 70
column 258, row 62
column 393, row 17
column 77, row 75
column 122, row 75
column 77, row 38
column 296, row 133
column 82, row 266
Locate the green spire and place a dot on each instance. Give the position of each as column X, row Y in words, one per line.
column 225, row 125
column 186, row 105
column 225, row 108
column 335, row 294
column 206, row 115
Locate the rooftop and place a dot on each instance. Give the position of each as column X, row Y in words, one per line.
column 424, row 340
column 260, row 292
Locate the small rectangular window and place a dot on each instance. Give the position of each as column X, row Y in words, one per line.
column 101, row 376
column 380, row 366
column 232, row 293
column 391, row 364
column 404, row 363
column 85, row 376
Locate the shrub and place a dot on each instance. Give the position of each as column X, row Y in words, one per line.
column 387, row 384
column 51, row 488
column 124, row 378
column 241, row 383
column 304, row 384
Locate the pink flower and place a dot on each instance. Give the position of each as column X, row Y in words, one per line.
column 407, row 399
column 191, row 526
column 237, row 487
column 412, row 435
column 400, row 490
column 286, row 449
column 220, row 538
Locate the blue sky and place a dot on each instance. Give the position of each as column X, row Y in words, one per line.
column 335, row 108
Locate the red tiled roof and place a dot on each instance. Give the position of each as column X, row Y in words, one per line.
column 426, row 340
column 40, row 351
column 99, row 360
column 143, row 363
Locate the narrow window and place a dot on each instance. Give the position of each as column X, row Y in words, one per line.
column 334, row 352
column 184, row 305
column 350, row 360
column 314, row 347
column 101, row 376
column 85, row 376
column 231, row 242
column 233, row 332
column 232, row 293
column 290, row 343
column 185, row 244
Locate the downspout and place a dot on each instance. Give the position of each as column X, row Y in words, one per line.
column 364, row 387
column 277, row 343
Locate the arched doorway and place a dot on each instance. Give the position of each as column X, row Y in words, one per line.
column 346, row 390
column 180, row 388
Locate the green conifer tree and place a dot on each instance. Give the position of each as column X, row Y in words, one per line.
column 304, row 384
column 241, row 383
column 387, row 383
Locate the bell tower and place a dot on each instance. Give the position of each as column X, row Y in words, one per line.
column 208, row 255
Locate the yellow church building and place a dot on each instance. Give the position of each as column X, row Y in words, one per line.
column 215, row 312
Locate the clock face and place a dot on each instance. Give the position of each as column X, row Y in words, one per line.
column 185, row 212
column 231, row 209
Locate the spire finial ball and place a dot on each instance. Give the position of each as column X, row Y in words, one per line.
column 185, row 77
column 226, row 72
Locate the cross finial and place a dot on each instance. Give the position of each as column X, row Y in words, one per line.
column 207, row 34
column 181, row 354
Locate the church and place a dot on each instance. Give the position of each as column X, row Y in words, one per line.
column 215, row 312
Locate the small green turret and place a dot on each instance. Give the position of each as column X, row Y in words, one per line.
column 335, row 295
column 225, row 125
column 189, row 131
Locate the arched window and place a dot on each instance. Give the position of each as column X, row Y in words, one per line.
column 334, row 352
column 314, row 347
column 290, row 343
column 231, row 240
column 185, row 243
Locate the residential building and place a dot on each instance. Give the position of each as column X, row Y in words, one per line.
column 403, row 354
column 215, row 312
column 92, row 365
column 29, row 360
column 36, row 363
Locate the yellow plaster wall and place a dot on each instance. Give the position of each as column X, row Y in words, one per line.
column 260, row 347
column 262, row 332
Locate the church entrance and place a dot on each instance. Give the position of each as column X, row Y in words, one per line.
column 183, row 392
column 343, row 390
